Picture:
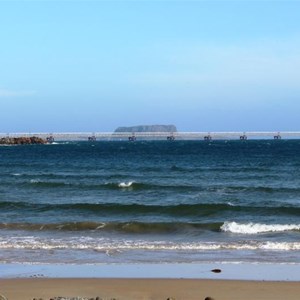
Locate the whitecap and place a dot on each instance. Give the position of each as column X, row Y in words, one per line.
column 125, row 185
column 255, row 228
column 35, row 181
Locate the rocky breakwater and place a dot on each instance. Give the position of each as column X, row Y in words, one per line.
column 33, row 140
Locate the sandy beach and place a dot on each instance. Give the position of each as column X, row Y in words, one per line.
column 131, row 289
column 152, row 281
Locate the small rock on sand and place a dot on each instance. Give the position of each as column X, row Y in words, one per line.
column 2, row 297
column 216, row 270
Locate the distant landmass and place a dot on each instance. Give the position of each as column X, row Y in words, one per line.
column 148, row 128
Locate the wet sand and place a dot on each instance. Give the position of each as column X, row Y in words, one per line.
column 154, row 289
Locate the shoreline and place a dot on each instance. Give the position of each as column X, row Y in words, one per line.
column 181, row 281
column 227, row 271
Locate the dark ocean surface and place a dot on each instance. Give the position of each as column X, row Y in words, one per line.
column 150, row 201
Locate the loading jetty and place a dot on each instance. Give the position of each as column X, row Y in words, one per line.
column 43, row 138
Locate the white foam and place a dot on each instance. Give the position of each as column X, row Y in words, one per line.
column 125, row 185
column 280, row 246
column 35, row 181
column 255, row 228
column 56, row 143
column 102, row 225
column 117, row 246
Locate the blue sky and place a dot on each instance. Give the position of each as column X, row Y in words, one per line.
column 201, row 65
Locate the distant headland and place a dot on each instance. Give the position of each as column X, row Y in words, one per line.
column 148, row 128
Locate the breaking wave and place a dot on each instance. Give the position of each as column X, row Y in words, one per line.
column 155, row 227
column 256, row 228
column 125, row 185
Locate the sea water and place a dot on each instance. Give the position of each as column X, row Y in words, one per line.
column 150, row 202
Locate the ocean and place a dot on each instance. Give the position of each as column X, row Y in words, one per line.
column 150, row 202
